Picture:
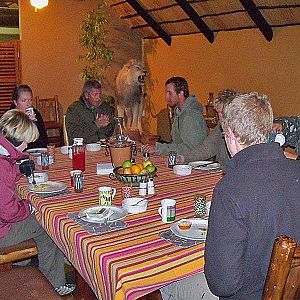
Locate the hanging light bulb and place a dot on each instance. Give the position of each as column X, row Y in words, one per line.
column 39, row 4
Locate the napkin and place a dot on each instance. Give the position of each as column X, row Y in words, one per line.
column 104, row 169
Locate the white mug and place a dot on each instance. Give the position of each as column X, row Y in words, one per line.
column 106, row 195
column 167, row 210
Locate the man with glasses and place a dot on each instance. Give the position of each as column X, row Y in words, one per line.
column 90, row 117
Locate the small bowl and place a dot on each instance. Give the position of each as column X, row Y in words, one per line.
column 93, row 147
column 182, row 170
column 129, row 205
column 184, row 224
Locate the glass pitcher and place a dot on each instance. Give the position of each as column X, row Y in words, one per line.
column 119, row 134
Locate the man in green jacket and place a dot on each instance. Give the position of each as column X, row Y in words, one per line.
column 189, row 127
column 90, row 118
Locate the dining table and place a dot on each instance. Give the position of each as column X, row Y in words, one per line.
column 130, row 262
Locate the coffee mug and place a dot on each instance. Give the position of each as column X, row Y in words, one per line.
column 167, row 210
column 106, row 195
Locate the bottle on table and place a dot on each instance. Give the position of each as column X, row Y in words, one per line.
column 78, row 154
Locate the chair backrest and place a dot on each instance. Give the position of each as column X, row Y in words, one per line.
column 283, row 278
column 48, row 108
column 66, row 139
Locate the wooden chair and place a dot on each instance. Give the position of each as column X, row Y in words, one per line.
column 18, row 252
column 65, row 133
column 283, row 278
column 49, row 110
column 26, row 283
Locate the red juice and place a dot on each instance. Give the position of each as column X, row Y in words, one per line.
column 79, row 160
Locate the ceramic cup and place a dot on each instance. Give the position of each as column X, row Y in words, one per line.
column 106, row 195
column 126, row 192
column 167, row 210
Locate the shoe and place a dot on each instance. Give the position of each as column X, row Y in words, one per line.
column 65, row 289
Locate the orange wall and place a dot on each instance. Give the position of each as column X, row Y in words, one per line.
column 242, row 60
column 50, row 48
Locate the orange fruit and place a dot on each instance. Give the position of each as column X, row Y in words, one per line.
column 127, row 171
column 140, row 165
column 135, row 169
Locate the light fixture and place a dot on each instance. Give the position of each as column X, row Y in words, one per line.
column 39, row 4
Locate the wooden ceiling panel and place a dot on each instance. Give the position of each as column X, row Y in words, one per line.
column 217, row 15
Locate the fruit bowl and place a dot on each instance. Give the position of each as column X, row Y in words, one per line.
column 133, row 179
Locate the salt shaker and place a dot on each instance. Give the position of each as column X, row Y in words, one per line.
column 143, row 188
column 150, row 186
column 200, row 205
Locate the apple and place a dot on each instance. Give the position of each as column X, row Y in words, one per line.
column 147, row 163
column 150, row 168
column 127, row 164
column 144, row 171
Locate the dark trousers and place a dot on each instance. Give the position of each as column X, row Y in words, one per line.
column 51, row 259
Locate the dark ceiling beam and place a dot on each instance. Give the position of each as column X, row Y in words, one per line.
column 196, row 19
column 150, row 21
column 258, row 19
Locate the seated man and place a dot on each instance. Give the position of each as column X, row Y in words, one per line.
column 90, row 117
column 290, row 128
column 214, row 145
column 256, row 201
column 189, row 127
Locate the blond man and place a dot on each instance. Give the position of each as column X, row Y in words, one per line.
column 256, row 201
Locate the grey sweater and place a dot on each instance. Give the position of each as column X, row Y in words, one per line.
column 213, row 145
column 188, row 129
column 256, row 201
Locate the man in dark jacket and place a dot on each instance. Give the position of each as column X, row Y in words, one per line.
column 90, row 118
column 256, row 201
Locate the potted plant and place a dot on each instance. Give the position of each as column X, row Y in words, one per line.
column 93, row 39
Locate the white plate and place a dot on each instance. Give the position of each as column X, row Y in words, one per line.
column 47, row 187
column 36, row 151
column 197, row 231
column 200, row 165
column 115, row 213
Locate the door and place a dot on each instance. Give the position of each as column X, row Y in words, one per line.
column 10, row 72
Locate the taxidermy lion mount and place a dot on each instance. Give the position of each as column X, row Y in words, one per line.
column 130, row 94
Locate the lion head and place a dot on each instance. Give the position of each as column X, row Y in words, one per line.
column 129, row 82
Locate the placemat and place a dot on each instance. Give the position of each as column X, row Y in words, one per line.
column 97, row 228
column 178, row 241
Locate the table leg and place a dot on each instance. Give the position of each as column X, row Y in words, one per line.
column 83, row 290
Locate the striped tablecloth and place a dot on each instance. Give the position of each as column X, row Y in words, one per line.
column 134, row 261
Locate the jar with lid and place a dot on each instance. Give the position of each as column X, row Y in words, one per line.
column 78, row 154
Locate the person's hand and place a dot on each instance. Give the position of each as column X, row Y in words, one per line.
column 31, row 114
column 149, row 149
column 290, row 155
column 277, row 127
column 102, row 121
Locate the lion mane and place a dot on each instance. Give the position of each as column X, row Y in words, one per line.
column 130, row 93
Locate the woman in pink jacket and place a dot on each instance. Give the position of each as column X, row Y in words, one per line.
column 17, row 223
